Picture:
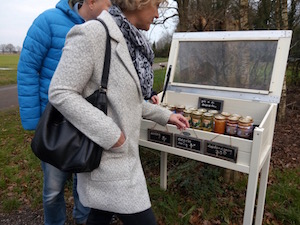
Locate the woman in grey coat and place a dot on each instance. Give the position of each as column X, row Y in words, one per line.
column 118, row 185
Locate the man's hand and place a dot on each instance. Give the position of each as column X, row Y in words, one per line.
column 179, row 120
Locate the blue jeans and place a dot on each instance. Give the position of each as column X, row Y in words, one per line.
column 53, row 197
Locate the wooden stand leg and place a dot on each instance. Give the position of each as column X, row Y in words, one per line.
column 163, row 170
column 262, row 191
column 250, row 197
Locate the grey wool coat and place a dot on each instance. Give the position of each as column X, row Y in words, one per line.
column 119, row 184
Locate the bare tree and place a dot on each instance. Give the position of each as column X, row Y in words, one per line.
column 10, row 48
column 2, row 48
column 282, row 105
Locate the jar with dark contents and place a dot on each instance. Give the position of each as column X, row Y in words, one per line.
column 196, row 119
column 207, row 122
column 232, row 125
column 219, row 124
column 179, row 109
column 188, row 115
column 244, row 129
column 172, row 108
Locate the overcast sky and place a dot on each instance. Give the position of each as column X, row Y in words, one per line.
column 16, row 16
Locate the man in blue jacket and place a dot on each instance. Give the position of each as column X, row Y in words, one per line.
column 42, row 49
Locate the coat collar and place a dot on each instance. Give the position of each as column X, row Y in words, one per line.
column 121, row 48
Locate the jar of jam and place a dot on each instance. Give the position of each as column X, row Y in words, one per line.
column 232, row 125
column 179, row 109
column 188, row 115
column 196, row 119
column 244, row 129
column 219, row 124
column 207, row 121
column 172, row 108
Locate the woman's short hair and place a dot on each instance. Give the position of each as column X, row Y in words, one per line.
column 132, row 5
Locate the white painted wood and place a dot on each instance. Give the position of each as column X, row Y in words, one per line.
column 254, row 155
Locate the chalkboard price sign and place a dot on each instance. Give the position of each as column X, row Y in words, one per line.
column 187, row 143
column 211, row 104
column 160, row 137
column 221, row 151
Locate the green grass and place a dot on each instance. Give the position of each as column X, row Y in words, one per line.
column 8, row 61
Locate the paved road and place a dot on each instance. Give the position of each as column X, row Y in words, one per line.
column 9, row 96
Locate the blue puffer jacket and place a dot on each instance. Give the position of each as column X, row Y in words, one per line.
column 42, row 49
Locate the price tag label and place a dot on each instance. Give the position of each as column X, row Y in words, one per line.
column 160, row 137
column 187, row 143
column 221, row 151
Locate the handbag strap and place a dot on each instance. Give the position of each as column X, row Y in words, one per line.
column 106, row 66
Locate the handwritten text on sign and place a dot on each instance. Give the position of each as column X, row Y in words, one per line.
column 187, row 143
column 221, row 151
column 211, row 104
column 161, row 137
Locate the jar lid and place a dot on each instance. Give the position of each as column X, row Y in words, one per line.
column 192, row 108
column 180, row 107
column 233, row 118
column 197, row 113
column 226, row 114
column 236, row 115
column 213, row 111
column 220, row 117
column 202, row 110
column 207, row 114
column 244, row 120
column 249, row 118
column 187, row 111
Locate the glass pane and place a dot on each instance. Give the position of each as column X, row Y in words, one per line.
column 237, row 64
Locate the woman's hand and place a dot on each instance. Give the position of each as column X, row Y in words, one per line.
column 120, row 141
column 155, row 99
column 179, row 120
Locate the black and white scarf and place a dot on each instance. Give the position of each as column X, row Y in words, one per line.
column 139, row 48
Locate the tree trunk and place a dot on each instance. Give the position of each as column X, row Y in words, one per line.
column 282, row 104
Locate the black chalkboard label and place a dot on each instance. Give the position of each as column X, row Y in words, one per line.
column 187, row 143
column 211, row 104
column 221, row 151
column 161, row 137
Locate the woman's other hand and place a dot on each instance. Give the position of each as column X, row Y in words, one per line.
column 155, row 99
column 179, row 120
column 120, row 141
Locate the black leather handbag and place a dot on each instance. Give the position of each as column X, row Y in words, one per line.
column 59, row 143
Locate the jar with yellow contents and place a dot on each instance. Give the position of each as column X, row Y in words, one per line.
column 196, row 119
column 188, row 115
column 207, row 122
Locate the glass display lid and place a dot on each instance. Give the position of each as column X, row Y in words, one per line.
column 240, row 64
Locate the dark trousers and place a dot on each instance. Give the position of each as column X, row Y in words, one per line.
column 99, row 217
